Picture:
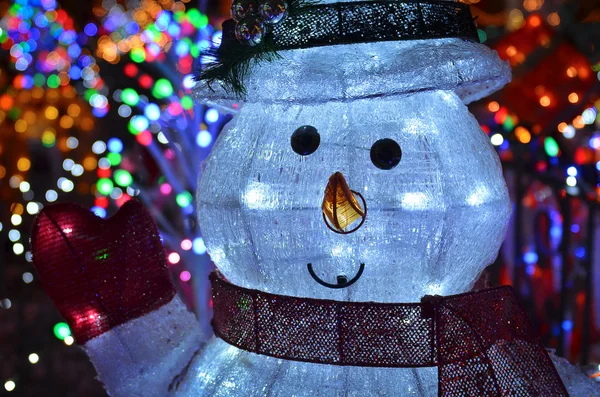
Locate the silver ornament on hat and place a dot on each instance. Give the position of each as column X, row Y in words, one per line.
column 243, row 8
column 273, row 11
column 250, row 31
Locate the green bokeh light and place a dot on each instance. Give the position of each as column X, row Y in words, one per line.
column 194, row 17
column 138, row 55
column 123, row 178
column 104, row 186
column 132, row 129
column 114, row 159
column 39, row 80
column 53, row 81
column 14, row 113
column 187, row 102
column 62, row 330
column 184, row 199
column 130, row 97
column 89, row 93
column 482, row 35
column 194, row 50
column 509, row 123
column 48, row 139
column 162, row 88
column 551, row 147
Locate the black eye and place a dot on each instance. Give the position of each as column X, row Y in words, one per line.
column 305, row 140
column 386, row 154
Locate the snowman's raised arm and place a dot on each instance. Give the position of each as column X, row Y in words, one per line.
column 109, row 280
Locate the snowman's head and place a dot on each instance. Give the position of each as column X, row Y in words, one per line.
column 353, row 153
column 420, row 181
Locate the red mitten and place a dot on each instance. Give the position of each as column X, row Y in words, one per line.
column 100, row 273
column 109, row 279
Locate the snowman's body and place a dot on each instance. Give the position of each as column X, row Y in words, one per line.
column 434, row 222
column 430, row 225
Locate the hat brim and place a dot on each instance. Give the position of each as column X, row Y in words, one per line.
column 358, row 71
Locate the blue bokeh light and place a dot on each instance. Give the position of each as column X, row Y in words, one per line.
column 115, row 145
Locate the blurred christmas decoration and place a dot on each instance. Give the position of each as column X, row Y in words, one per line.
column 55, row 149
column 71, row 90
column 172, row 133
column 545, row 127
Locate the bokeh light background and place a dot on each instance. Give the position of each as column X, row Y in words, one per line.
column 96, row 108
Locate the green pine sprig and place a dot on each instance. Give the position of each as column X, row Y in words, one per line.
column 233, row 60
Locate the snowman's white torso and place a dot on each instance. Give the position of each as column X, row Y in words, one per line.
column 434, row 222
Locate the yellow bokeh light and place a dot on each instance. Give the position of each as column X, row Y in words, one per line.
column 573, row 97
column 20, row 125
column 493, row 106
column 578, row 122
column 51, row 113
column 23, row 164
column 562, row 126
column 511, row 51
column 66, row 122
column 572, row 72
column 545, row 101
column 73, row 110
column 515, row 19
column 523, row 134
column 554, row 19
column 533, row 5
column 48, row 138
column 89, row 163
column 17, row 208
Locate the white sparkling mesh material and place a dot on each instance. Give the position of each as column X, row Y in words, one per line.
column 141, row 357
column 344, row 72
column 434, row 222
column 225, row 371
column 575, row 380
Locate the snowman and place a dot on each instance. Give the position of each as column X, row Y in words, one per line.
column 349, row 206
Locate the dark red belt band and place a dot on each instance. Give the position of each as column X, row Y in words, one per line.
column 482, row 342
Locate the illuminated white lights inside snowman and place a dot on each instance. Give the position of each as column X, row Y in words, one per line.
column 351, row 173
column 349, row 206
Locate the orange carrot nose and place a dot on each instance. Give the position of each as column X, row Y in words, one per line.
column 340, row 206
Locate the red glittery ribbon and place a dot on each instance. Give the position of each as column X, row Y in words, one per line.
column 482, row 342
column 100, row 273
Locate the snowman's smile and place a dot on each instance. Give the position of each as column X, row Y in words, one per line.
column 342, row 280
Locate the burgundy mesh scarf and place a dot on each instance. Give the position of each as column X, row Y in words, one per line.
column 482, row 342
